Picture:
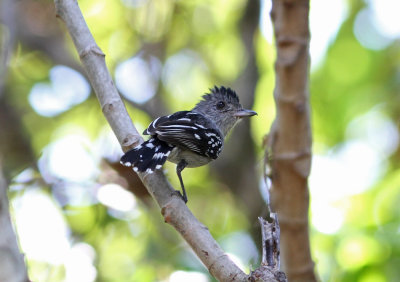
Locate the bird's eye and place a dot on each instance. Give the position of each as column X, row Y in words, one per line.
column 220, row 105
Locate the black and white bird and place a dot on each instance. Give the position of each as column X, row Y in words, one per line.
column 189, row 138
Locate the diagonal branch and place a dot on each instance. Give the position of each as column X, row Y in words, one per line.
column 174, row 210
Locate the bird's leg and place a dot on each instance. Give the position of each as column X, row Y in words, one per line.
column 181, row 165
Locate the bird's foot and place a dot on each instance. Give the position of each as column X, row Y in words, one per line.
column 183, row 197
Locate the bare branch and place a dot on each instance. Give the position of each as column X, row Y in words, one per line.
column 289, row 140
column 270, row 241
column 173, row 208
column 269, row 269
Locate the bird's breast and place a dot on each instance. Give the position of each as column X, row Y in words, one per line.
column 191, row 158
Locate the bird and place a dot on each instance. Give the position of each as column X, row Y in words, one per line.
column 189, row 138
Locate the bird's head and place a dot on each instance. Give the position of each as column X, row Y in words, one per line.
column 222, row 106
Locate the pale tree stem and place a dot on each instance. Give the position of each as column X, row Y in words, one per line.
column 290, row 137
column 12, row 264
column 174, row 210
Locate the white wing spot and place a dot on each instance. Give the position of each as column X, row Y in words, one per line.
column 135, row 168
column 158, row 155
column 154, row 122
column 149, row 170
column 150, row 145
column 178, row 126
column 197, row 136
column 158, row 166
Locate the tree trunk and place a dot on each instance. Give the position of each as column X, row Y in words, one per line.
column 290, row 137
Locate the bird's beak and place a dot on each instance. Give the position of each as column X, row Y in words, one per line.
column 244, row 113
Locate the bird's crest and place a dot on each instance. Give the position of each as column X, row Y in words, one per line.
column 222, row 93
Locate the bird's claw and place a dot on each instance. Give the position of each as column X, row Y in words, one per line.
column 183, row 197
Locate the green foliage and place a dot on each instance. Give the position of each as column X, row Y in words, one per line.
column 199, row 44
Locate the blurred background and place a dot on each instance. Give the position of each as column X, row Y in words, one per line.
column 80, row 216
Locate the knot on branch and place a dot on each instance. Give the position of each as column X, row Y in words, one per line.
column 94, row 49
column 292, row 156
column 270, row 233
column 265, row 273
column 216, row 263
column 300, row 161
column 299, row 101
column 295, row 224
column 170, row 209
column 290, row 48
column 130, row 141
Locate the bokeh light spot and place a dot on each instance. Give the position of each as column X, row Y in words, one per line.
column 184, row 73
column 338, row 62
column 69, row 158
column 386, row 17
column 367, row 32
column 323, row 26
column 67, row 88
column 137, row 79
column 114, row 196
column 42, row 230
column 326, row 218
column 184, row 276
column 79, row 264
column 376, row 26
column 360, row 250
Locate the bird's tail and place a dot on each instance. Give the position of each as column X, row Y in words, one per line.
column 148, row 156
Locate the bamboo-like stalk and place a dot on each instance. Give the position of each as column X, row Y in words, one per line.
column 290, row 137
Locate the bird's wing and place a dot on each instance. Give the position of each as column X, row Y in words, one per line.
column 151, row 130
column 189, row 130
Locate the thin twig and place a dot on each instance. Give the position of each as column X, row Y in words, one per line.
column 270, row 263
column 270, row 232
